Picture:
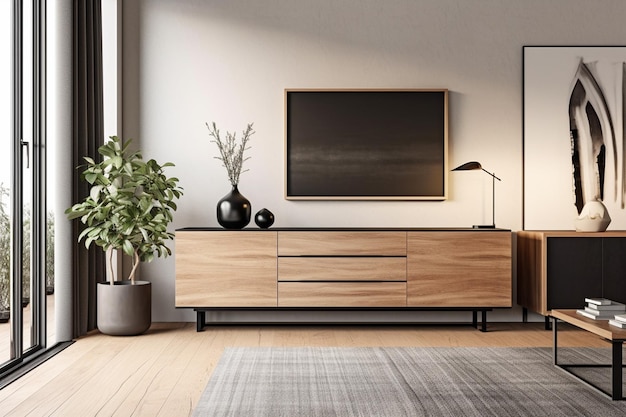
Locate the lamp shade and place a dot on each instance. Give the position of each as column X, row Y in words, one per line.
column 468, row 166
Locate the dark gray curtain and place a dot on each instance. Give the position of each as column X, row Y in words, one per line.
column 87, row 136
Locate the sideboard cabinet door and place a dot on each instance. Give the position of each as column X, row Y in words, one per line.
column 581, row 267
column 226, row 269
column 459, row 269
column 574, row 268
column 614, row 268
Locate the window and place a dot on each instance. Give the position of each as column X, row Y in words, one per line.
column 26, row 232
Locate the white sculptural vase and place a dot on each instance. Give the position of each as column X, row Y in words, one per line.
column 594, row 217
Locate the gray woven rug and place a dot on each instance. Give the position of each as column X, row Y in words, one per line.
column 397, row 382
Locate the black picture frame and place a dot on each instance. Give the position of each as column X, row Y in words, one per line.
column 366, row 144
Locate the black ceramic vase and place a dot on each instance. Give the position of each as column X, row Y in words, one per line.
column 264, row 218
column 234, row 210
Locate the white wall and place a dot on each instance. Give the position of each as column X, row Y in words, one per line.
column 189, row 62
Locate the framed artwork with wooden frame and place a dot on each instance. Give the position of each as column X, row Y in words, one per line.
column 366, row 144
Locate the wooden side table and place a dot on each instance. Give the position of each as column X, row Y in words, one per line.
column 602, row 328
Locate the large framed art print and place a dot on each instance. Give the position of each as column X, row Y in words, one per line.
column 574, row 136
column 366, row 144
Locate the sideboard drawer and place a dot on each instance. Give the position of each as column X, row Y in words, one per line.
column 342, row 294
column 341, row 269
column 341, row 243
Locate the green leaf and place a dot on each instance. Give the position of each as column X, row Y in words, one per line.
column 84, row 233
column 94, row 193
column 127, row 247
column 117, row 161
column 91, row 178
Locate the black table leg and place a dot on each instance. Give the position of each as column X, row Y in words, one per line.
column 616, row 366
column 554, row 342
column 616, row 370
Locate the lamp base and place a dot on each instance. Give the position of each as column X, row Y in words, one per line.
column 484, row 226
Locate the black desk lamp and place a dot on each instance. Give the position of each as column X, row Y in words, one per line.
column 473, row 165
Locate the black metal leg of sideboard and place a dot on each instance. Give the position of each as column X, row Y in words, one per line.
column 524, row 315
column 200, row 320
column 548, row 325
column 483, row 321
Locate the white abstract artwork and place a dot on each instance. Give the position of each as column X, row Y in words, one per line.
column 574, row 140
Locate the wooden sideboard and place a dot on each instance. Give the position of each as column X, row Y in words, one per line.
column 465, row 269
column 559, row 269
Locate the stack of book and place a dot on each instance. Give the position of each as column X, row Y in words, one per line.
column 618, row 321
column 602, row 309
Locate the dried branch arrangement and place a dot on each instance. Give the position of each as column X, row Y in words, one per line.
column 231, row 153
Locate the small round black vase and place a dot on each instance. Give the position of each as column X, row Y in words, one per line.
column 234, row 210
column 264, row 218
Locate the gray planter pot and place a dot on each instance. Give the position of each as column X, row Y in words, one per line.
column 124, row 309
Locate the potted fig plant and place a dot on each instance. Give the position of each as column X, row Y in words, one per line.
column 130, row 204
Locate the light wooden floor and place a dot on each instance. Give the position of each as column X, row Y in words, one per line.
column 163, row 372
